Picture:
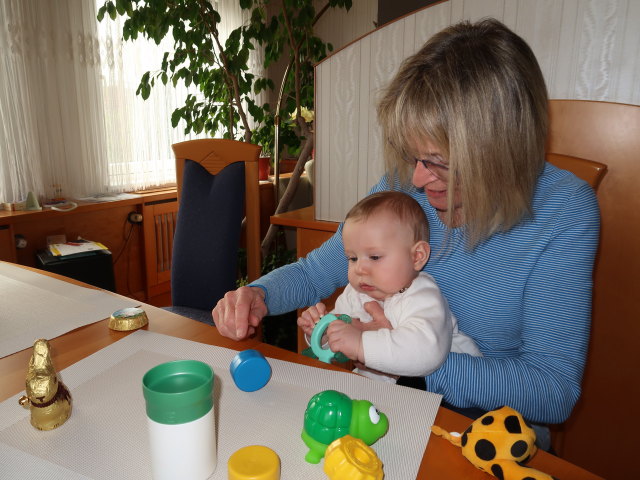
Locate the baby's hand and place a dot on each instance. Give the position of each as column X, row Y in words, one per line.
column 310, row 317
column 345, row 338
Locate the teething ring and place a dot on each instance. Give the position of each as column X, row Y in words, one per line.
column 325, row 354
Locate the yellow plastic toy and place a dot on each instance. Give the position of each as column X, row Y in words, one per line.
column 254, row 462
column 349, row 458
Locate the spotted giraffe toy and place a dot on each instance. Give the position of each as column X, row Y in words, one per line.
column 498, row 443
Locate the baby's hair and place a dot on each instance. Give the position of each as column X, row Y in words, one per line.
column 406, row 208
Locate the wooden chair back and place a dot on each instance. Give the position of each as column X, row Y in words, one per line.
column 600, row 435
column 215, row 154
column 588, row 170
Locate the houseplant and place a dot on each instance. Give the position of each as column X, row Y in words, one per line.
column 224, row 103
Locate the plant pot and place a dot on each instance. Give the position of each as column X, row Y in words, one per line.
column 263, row 168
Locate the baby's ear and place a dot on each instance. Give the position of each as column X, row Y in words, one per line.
column 420, row 251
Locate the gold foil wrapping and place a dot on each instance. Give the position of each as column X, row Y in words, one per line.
column 47, row 397
column 128, row 319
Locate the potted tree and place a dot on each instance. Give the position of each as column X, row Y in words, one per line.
column 224, row 103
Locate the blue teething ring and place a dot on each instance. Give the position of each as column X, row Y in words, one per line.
column 325, row 354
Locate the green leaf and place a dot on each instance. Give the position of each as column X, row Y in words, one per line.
column 101, row 13
column 121, row 6
column 111, row 8
column 175, row 117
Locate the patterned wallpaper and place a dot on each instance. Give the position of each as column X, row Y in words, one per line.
column 587, row 49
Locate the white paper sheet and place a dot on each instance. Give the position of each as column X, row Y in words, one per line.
column 35, row 306
column 105, row 438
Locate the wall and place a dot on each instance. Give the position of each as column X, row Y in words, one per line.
column 389, row 10
column 587, row 50
column 337, row 26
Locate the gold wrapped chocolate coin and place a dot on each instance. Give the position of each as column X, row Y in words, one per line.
column 47, row 397
column 127, row 319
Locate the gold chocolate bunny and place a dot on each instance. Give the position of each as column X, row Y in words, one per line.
column 48, row 398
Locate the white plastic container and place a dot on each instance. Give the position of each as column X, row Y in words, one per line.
column 181, row 420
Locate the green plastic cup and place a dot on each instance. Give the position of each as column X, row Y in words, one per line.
column 178, row 392
column 180, row 419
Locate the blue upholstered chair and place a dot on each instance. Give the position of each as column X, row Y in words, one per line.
column 217, row 183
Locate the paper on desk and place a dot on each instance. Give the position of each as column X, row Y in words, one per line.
column 35, row 306
column 106, row 436
column 74, row 248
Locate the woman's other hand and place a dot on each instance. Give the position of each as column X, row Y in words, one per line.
column 378, row 318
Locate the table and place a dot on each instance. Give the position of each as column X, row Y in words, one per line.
column 441, row 460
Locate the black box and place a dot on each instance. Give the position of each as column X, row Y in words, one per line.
column 94, row 268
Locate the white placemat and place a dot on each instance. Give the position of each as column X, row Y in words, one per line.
column 106, row 436
column 34, row 306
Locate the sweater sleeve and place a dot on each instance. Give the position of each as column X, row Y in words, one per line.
column 421, row 338
column 542, row 379
column 310, row 279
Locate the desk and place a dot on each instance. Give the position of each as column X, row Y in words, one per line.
column 441, row 461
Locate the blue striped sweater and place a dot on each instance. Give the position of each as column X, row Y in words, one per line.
column 524, row 296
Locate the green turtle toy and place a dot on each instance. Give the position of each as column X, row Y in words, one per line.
column 331, row 415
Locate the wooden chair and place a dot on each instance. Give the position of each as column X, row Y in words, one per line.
column 217, row 183
column 588, row 170
column 601, row 433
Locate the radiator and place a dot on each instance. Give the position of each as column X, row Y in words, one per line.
column 159, row 220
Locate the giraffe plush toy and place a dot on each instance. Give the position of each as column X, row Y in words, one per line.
column 499, row 443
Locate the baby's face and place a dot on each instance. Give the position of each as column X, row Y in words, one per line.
column 380, row 254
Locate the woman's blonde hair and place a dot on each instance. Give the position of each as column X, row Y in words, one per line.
column 399, row 204
column 476, row 91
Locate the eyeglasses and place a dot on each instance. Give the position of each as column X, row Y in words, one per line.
column 439, row 170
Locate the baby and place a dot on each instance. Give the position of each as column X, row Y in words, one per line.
column 385, row 239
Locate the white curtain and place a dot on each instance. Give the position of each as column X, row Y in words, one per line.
column 140, row 133
column 53, row 130
column 72, row 124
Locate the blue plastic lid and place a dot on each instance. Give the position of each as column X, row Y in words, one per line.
column 250, row 370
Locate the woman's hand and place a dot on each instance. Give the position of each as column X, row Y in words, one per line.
column 378, row 318
column 312, row 315
column 239, row 312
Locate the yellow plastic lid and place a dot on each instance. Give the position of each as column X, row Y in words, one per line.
column 255, row 462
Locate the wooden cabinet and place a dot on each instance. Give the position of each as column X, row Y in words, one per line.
column 7, row 245
column 106, row 222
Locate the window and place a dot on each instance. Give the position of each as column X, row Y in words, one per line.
column 72, row 124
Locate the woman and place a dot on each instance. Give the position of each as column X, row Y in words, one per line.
column 513, row 238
